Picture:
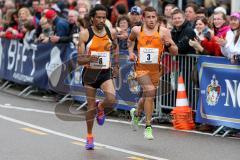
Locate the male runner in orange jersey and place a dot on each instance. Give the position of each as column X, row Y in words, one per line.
column 95, row 48
column 151, row 39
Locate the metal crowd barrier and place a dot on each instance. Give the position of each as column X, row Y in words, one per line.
column 173, row 66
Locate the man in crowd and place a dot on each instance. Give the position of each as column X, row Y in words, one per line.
column 60, row 26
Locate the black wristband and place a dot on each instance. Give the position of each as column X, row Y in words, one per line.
column 168, row 45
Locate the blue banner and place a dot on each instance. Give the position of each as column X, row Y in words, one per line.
column 39, row 65
column 219, row 100
column 53, row 67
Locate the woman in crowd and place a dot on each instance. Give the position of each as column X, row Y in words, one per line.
column 230, row 46
column 221, row 28
column 202, row 31
column 24, row 15
column 123, row 30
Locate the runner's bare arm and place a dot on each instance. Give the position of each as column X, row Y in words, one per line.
column 131, row 43
column 83, row 57
column 115, row 48
column 115, row 51
column 168, row 42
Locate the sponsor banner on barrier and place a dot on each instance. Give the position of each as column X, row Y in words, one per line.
column 39, row 65
column 53, row 67
column 219, row 100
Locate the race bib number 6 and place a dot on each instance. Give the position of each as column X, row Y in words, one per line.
column 149, row 55
column 103, row 60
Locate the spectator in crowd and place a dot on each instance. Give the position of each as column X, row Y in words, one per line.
column 220, row 9
column 230, row 46
column 10, row 24
column 163, row 22
column 8, row 5
column 168, row 12
column 221, row 27
column 72, row 4
column 182, row 32
column 210, row 5
column 43, row 5
column 60, row 25
column 135, row 16
column 201, row 12
column 46, row 31
column 73, row 27
column 158, row 6
column 119, row 8
column 123, row 30
column 82, row 12
column 37, row 9
column 30, row 32
column 190, row 13
column 84, row 4
column 202, row 30
column 24, row 15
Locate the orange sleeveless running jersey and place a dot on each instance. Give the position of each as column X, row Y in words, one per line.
column 98, row 44
column 150, row 49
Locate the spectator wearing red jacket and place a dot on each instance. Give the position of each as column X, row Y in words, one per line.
column 220, row 30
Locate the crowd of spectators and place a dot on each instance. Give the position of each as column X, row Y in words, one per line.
column 202, row 27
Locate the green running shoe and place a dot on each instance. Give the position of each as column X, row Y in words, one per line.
column 135, row 119
column 148, row 133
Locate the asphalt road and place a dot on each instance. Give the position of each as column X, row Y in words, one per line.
column 31, row 130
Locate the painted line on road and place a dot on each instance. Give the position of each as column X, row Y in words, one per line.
column 108, row 120
column 83, row 144
column 34, row 131
column 136, row 158
column 79, row 139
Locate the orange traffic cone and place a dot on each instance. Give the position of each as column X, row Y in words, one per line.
column 182, row 113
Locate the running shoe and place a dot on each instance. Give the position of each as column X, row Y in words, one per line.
column 100, row 115
column 89, row 143
column 135, row 119
column 148, row 133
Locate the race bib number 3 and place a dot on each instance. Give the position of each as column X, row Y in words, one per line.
column 103, row 60
column 149, row 55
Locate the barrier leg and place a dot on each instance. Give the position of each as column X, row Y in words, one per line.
column 227, row 132
column 65, row 98
column 5, row 84
column 31, row 91
column 82, row 105
column 25, row 90
column 8, row 86
column 218, row 130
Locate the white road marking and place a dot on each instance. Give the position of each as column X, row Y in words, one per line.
column 108, row 120
column 79, row 139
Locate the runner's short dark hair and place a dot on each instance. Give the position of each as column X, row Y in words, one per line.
column 149, row 9
column 98, row 7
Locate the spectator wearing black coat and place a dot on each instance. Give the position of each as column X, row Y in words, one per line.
column 182, row 32
column 74, row 28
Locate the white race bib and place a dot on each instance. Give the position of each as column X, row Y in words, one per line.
column 103, row 60
column 149, row 55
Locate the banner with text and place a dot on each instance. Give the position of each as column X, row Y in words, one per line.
column 53, row 67
column 219, row 100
